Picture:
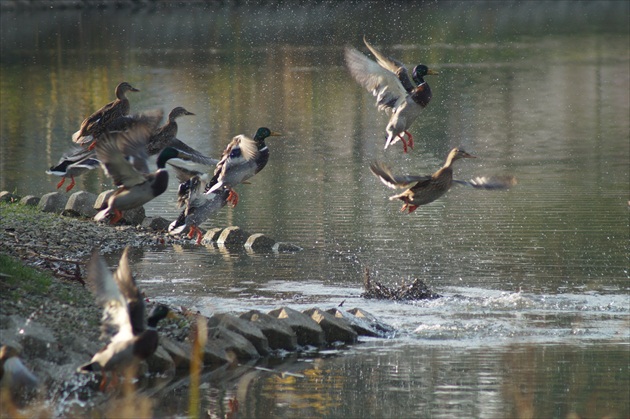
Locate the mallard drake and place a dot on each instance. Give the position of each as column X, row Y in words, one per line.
column 123, row 156
column 74, row 163
column 425, row 189
column 95, row 124
column 242, row 159
column 131, row 340
column 199, row 206
column 166, row 136
column 395, row 92
column 14, row 375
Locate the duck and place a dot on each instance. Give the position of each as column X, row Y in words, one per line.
column 423, row 190
column 72, row 164
column 388, row 80
column 166, row 136
column 198, row 207
column 242, row 158
column 131, row 340
column 14, row 375
column 97, row 123
column 123, row 156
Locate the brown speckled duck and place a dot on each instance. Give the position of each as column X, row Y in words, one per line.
column 425, row 189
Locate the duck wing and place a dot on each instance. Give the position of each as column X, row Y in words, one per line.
column 385, row 175
column 123, row 156
column 127, row 286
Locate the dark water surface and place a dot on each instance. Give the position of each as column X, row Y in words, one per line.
column 535, row 315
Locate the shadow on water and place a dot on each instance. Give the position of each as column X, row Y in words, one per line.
column 535, row 315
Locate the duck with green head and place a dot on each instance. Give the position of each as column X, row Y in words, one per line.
column 388, row 79
column 242, row 159
column 425, row 189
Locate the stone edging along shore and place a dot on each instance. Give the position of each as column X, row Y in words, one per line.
column 57, row 329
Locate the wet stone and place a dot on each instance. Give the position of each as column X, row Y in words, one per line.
column 335, row 329
column 133, row 216
column 384, row 328
column 307, row 331
column 279, row 334
column 212, row 235
column 244, row 328
column 155, row 223
column 53, row 202
column 180, row 357
column 359, row 325
column 286, row 248
column 260, row 243
column 30, row 200
column 82, row 204
column 231, row 236
column 232, row 343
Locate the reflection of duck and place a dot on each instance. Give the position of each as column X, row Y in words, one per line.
column 14, row 375
column 395, row 92
column 166, row 136
column 124, row 157
column 74, row 163
column 425, row 189
column 132, row 340
column 95, row 124
column 242, row 159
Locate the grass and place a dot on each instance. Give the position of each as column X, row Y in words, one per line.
column 17, row 279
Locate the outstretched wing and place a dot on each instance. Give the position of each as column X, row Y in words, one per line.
column 390, row 180
column 127, row 286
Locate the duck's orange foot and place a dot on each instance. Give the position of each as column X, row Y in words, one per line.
column 410, row 141
column 411, row 208
column 60, row 184
column 71, row 185
column 232, row 198
column 191, row 231
column 199, row 236
column 404, row 143
column 116, row 217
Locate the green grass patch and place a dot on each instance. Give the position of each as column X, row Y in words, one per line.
column 18, row 279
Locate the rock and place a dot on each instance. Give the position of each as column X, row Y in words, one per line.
column 335, row 329
column 82, row 204
column 232, row 343
column 101, row 200
column 244, row 328
column 259, row 243
column 6, row 196
column 180, row 357
column 232, row 236
column 383, row 328
column 358, row 324
column 279, row 334
column 29, row 200
column 52, row 202
column 211, row 235
column 161, row 362
column 286, row 248
column 213, row 353
column 133, row 216
column 307, row 331
column 155, row 223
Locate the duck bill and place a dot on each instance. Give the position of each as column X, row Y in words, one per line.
column 275, row 134
column 432, row 73
column 468, row 156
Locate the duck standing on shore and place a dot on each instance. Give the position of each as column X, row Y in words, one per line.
column 388, row 80
column 131, row 340
column 96, row 124
column 72, row 164
column 425, row 189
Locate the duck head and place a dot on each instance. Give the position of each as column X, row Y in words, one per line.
column 420, row 71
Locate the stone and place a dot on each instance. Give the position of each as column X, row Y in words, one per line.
column 244, row 328
column 335, row 330
column 82, row 203
column 358, row 324
column 6, row 196
column 307, row 331
column 212, row 235
column 213, row 353
column 234, row 345
column 161, row 362
column 30, row 200
column 281, row 247
column 53, row 202
column 259, row 243
column 279, row 334
column 180, row 357
column 232, row 236
column 383, row 328
column 133, row 216
column 155, row 223
column 101, row 200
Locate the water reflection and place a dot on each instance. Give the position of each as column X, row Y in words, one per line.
column 535, row 279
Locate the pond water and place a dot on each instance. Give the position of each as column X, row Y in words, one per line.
column 535, row 315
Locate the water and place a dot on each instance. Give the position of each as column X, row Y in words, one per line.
column 535, row 310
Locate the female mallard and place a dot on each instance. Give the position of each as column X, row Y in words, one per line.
column 242, row 159
column 166, row 136
column 388, row 80
column 95, row 124
column 124, row 307
column 124, row 158
column 425, row 189
column 72, row 164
